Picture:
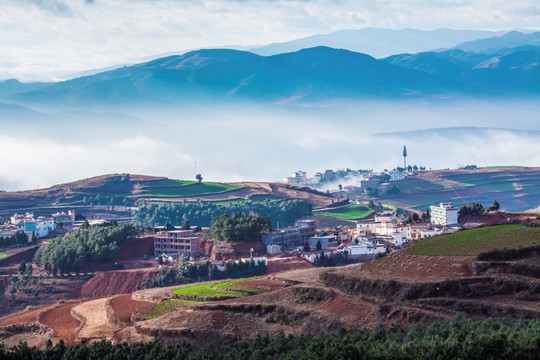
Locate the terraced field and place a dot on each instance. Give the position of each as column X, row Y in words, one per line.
column 471, row 242
column 165, row 307
column 183, row 188
column 348, row 213
column 516, row 188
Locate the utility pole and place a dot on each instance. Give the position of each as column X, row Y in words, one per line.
column 404, row 158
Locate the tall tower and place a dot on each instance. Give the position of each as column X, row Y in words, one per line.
column 404, row 158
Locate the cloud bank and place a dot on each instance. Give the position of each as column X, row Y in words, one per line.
column 48, row 39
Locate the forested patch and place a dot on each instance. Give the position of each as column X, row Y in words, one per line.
column 81, row 247
column 201, row 213
column 460, row 339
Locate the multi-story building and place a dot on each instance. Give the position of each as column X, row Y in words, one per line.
column 64, row 220
column 293, row 236
column 445, row 214
column 177, row 242
column 297, row 177
column 40, row 226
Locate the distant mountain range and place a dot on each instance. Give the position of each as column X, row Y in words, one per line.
column 490, row 68
column 495, row 44
column 380, row 42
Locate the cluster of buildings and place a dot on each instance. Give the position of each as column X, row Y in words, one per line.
column 39, row 226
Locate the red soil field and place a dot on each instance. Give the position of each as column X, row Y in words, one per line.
column 278, row 265
column 26, row 317
column 407, row 267
column 124, row 307
column 61, row 322
column 115, row 282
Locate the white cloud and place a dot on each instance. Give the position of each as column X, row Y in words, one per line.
column 50, row 38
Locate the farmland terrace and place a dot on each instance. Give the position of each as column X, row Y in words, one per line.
column 405, row 286
column 515, row 188
column 128, row 189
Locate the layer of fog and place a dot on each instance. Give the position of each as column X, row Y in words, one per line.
column 263, row 143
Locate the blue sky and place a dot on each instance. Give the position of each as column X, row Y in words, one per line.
column 48, row 39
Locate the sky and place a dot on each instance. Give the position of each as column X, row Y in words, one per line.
column 47, row 40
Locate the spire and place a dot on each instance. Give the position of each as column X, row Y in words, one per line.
column 404, row 158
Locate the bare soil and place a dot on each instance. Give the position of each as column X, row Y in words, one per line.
column 110, row 283
column 62, row 323
column 124, row 306
column 407, row 267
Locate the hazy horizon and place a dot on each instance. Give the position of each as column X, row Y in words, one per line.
column 261, row 142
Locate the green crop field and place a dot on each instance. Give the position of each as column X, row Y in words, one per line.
column 165, row 307
column 228, row 285
column 474, row 241
column 212, row 289
column 2, row 256
column 348, row 213
column 180, row 188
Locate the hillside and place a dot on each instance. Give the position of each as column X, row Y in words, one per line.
column 399, row 287
column 126, row 190
column 310, row 74
column 515, row 188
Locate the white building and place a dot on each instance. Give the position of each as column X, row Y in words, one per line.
column 273, row 249
column 444, row 214
column 386, row 216
column 396, row 175
column 430, row 233
column 40, row 226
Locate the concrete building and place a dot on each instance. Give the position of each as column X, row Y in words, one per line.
column 273, row 249
column 430, row 233
column 40, row 226
column 297, row 177
column 444, row 214
column 64, row 220
column 293, row 236
column 177, row 242
column 396, row 175
column 326, row 241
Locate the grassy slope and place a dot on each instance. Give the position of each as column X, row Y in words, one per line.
column 348, row 213
column 516, row 189
column 474, row 241
column 165, row 307
column 180, row 188
column 2, row 256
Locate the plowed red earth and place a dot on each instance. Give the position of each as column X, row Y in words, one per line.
column 115, row 282
column 27, row 317
column 124, row 307
column 407, row 267
column 61, row 322
column 279, row 265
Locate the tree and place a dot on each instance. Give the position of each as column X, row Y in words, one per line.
column 199, row 178
column 494, row 207
column 306, row 247
column 85, row 224
column 319, row 245
column 22, row 267
column 186, row 225
column 168, row 226
column 34, row 237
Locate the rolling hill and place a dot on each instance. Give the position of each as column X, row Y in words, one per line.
column 311, row 74
column 515, row 188
column 152, row 188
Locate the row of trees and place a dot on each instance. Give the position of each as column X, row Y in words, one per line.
column 460, row 339
column 201, row 213
column 80, row 247
column 477, row 208
column 240, row 227
column 20, row 238
column 185, row 273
